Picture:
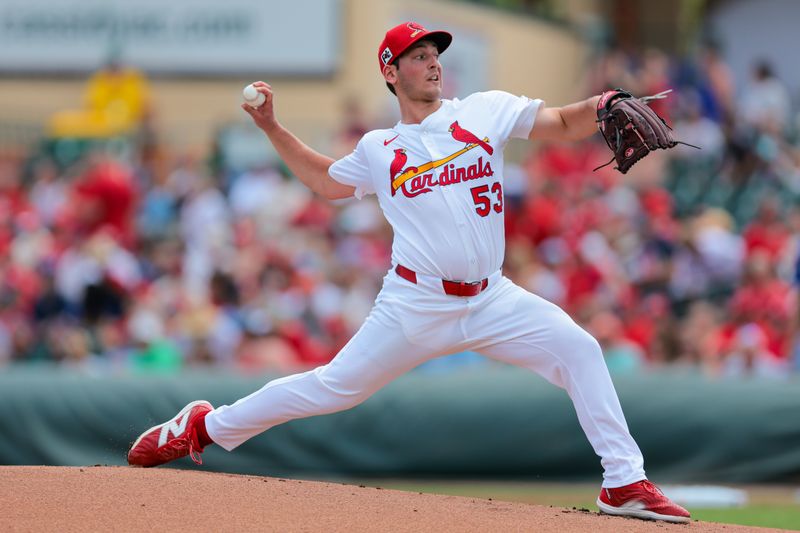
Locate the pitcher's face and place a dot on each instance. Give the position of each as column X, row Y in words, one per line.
column 419, row 73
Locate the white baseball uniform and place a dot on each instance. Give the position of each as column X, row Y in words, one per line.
column 440, row 186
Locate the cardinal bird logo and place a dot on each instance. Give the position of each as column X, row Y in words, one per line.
column 415, row 28
column 415, row 180
column 397, row 165
column 467, row 137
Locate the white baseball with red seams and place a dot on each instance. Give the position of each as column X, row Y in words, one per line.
column 440, row 184
column 252, row 96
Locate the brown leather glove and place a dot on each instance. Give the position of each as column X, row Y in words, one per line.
column 631, row 128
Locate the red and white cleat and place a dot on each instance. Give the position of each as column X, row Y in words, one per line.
column 641, row 500
column 171, row 440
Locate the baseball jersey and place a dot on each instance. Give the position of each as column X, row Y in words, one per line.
column 440, row 182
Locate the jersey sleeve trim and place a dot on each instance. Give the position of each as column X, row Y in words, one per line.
column 360, row 190
column 354, row 169
column 527, row 118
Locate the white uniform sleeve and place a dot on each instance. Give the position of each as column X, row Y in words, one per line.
column 353, row 170
column 513, row 115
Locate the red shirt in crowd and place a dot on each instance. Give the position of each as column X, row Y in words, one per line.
column 105, row 197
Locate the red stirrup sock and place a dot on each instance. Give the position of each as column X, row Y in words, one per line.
column 202, row 434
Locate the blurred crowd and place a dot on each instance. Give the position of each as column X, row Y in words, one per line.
column 139, row 260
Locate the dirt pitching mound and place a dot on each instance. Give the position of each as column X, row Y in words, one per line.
column 133, row 499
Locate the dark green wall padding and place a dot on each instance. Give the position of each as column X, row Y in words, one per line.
column 491, row 422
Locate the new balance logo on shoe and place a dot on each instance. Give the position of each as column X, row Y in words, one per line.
column 171, row 440
column 176, row 427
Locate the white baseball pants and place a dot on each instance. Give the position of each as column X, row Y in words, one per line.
column 411, row 324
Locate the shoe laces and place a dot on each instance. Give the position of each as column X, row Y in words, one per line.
column 187, row 443
column 194, row 452
column 651, row 487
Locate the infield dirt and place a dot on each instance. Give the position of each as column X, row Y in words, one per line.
column 102, row 498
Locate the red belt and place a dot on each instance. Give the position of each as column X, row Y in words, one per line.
column 453, row 288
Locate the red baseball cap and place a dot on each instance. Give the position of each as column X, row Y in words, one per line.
column 402, row 36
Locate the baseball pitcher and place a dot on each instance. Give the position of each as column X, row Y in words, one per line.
column 438, row 177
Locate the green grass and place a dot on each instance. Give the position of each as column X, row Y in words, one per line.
column 769, row 506
column 784, row 516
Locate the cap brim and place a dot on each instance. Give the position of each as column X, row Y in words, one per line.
column 441, row 38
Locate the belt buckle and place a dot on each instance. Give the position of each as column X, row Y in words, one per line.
column 463, row 288
column 467, row 288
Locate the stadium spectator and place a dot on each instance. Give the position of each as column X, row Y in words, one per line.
column 766, row 102
column 116, row 101
column 158, row 262
column 622, row 355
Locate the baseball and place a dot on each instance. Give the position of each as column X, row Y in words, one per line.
column 252, row 97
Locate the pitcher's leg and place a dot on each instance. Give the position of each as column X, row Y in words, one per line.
column 533, row 333
column 377, row 354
